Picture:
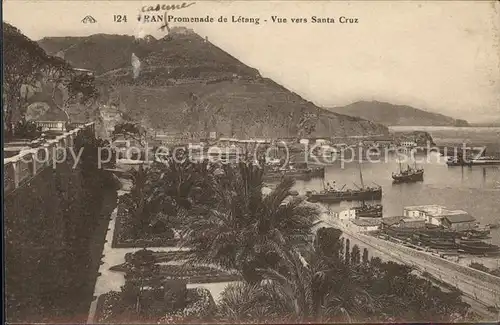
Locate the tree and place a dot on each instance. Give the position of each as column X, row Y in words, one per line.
column 238, row 231
column 136, row 204
column 167, row 192
column 347, row 257
column 182, row 185
column 479, row 266
column 80, row 88
column 143, row 272
column 27, row 129
column 329, row 243
column 26, row 64
column 129, row 130
column 83, row 85
column 322, row 288
column 365, row 256
column 241, row 302
column 23, row 60
column 355, row 255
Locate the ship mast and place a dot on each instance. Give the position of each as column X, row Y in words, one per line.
column 362, row 183
column 361, row 175
column 414, row 160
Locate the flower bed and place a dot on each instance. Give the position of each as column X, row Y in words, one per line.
column 188, row 273
column 122, row 237
column 202, row 307
column 111, row 308
column 108, row 306
column 189, row 270
column 162, row 257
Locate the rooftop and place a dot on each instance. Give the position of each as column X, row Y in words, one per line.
column 410, row 220
column 392, row 220
column 366, row 222
column 458, row 218
column 435, row 210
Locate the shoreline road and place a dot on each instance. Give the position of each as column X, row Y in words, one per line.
column 480, row 286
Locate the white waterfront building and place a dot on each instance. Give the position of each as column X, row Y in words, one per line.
column 437, row 214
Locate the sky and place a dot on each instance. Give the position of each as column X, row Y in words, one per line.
column 441, row 56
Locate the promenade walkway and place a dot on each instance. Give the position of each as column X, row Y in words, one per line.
column 39, row 154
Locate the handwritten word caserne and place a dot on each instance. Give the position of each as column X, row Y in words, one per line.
column 165, row 7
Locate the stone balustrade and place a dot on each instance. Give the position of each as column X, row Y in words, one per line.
column 51, row 125
column 29, row 162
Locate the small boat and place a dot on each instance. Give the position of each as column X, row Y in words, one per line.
column 459, row 159
column 466, row 239
column 495, row 225
column 409, row 175
column 478, row 233
column 297, row 172
column 479, row 248
column 369, row 211
column 485, row 161
column 471, row 160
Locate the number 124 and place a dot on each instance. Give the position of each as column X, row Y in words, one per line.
column 120, row 18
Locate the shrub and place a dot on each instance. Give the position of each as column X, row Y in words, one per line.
column 479, row 266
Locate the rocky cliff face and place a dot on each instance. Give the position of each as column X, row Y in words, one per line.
column 186, row 84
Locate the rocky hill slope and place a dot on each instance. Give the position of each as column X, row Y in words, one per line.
column 389, row 114
column 183, row 83
column 38, row 86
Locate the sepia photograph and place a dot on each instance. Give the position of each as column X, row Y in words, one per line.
column 235, row 162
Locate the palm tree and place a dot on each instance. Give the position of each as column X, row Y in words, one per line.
column 137, row 204
column 240, row 229
column 324, row 287
column 329, row 289
column 182, row 185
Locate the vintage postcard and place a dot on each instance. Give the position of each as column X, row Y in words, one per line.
column 251, row 161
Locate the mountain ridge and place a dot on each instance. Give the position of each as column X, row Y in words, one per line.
column 392, row 114
column 187, row 84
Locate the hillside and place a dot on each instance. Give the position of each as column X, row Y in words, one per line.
column 389, row 114
column 187, row 84
column 39, row 86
